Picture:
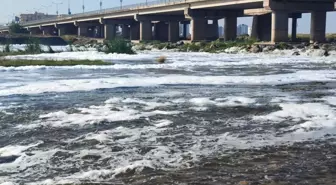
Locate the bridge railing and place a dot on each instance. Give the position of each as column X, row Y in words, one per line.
column 107, row 11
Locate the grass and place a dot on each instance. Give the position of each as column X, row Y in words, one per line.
column 331, row 37
column 19, row 63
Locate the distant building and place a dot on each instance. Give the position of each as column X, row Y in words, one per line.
column 32, row 17
column 220, row 31
column 249, row 31
column 242, row 29
column 181, row 30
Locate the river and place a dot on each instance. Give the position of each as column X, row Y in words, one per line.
column 197, row 119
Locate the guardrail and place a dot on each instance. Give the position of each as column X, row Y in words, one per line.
column 110, row 10
column 107, row 11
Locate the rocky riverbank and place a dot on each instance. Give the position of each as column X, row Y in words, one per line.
column 295, row 49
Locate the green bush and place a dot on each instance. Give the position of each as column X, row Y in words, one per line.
column 16, row 28
column 7, row 48
column 119, row 46
column 194, row 47
column 33, row 46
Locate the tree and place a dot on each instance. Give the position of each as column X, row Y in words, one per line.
column 16, row 28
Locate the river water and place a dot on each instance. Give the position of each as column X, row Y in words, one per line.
column 197, row 119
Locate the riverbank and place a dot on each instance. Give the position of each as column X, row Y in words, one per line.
column 20, row 63
column 239, row 46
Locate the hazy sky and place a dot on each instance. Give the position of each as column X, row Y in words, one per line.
column 10, row 7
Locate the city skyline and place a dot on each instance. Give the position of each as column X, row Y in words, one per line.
column 10, row 8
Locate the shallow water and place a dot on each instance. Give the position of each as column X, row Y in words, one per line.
column 191, row 120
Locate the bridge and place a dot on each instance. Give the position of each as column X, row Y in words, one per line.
column 161, row 20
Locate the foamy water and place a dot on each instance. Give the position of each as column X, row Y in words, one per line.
column 105, row 124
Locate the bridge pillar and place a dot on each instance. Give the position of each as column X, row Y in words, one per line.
column 318, row 27
column 145, row 30
column 198, row 28
column 61, row 31
column 173, row 31
column 82, row 31
column 125, row 31
column 135, row 31
column 261, row 27
column 294, row 29
column 279, row 26
column 230, row 28
column 161, row 31
column 212, row 30
column 110, row 31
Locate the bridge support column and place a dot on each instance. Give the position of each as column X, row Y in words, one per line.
column 50, row 30
column 279, row 26
column 83, row 31
column 318, row 27
column 125, row 31
column 173, row 31
column 135, row 31
column 230, row 28
column 212, row 30
column 145, row 30
column 294, row 29
column 198, row 28
column 261, row 27
column 110, row 31
column 61, row 31
column 161, row 31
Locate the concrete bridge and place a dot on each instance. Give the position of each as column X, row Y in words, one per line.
column 161, row 20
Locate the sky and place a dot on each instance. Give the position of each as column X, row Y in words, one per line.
column 10, row 7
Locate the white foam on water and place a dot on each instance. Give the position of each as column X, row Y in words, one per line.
column 317, row 119
column 222, row 102
column 235, row 101
column 175, row 60
column 142, row 81
column 7, row 183
column 114, row 109
column 330, row 100
column 22, row 47
column 204, row 101
column 163, row 123
column 15, row 149
column 145, row 145
column 87, row 55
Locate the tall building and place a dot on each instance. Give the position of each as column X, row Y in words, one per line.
column 35, row 16
column 220, row 31
column 249, row 31
column 181, row 30
column 242, row 29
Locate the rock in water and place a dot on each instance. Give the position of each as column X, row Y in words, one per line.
column 8, row 159
column 326, row 53
column 296, row 53
column 255, row 49
column 179, row 43
column 161, row 59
